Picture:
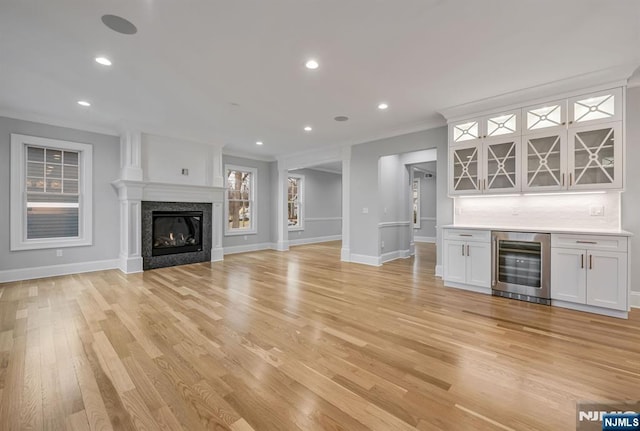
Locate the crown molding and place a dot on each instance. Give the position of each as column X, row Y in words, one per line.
column 58, row 122
column 593, row 81
column 232, row 153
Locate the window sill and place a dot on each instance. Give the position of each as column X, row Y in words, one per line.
column 49, row 244
column 296, row 229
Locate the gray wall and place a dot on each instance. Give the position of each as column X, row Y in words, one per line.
column 265, row 204
column 631, row 195
column 323, row 199
column 393, row 204
column 428, row 201
column 364, row 174
column 106, row 216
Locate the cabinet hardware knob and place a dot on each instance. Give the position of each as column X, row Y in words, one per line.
column 570, row 122
column 586, row 242
column 467, row 249
column 582, row 261
column 463, row 249
column 590, row 261
column 564, row 123
column 563, row 180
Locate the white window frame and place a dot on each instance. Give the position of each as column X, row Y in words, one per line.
column 18, row 209
column 253, row 208
column 301, row 200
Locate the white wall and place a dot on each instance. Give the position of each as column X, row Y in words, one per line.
column 106, row 225
column 364, row 173
column 322, row 207
column 631, row 195
column 164, row 158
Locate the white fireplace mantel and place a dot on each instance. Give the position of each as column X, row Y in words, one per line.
column 131, row 193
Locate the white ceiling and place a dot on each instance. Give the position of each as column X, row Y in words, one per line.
column 191, row 61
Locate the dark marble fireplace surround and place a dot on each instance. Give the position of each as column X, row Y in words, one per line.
column 152, row 262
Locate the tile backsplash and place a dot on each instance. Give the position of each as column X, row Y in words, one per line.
column 566, row 210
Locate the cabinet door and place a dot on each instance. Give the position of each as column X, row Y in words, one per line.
column 478, row 264
column 551, row 117
column 454, row 261
column 595, row 157
column 501, row 166
column 568, row 275
column 504, row 124
column 544, row 161
column 603, row 106
column 465, row 169
column 607, row 280
column 465, row 131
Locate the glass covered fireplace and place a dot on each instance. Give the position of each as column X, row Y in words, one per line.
column 176, row 232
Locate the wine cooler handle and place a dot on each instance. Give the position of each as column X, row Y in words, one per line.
column 494, row 270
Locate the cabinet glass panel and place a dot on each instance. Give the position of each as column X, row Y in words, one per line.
column 502, row 125
column 466, row 131
column 543, row 161
column 594, row 108
column 520, row 262
column 547, row 116
column 594, row 156
column 501, row 165
column 465, row 169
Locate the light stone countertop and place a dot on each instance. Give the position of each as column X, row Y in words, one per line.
column 612, row 232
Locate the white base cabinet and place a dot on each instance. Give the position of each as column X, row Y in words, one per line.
column 590, row 270
column 467, row 259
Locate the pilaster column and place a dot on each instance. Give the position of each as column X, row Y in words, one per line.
column 131, row 156
column 130, row 197
column 217, row 180
column 282, row 220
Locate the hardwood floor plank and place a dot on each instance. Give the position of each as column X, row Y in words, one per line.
column 299, row 341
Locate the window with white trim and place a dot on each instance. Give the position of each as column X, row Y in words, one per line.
column 51, row 189
column 295, row 202
column 415, row 201
column 240, row 200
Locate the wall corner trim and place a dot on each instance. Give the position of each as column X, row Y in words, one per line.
column 634, row 299
column 364, row 259
column 439, row 271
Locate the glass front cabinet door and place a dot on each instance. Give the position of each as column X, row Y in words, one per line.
column 503, row 124
column 465, row 132
column 595, row 156
column 466, row 169
column 550, row 116
column 601, row 107
column 501, row 166
column 544, row 161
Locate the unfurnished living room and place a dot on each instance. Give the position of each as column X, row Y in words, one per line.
column 320, row 215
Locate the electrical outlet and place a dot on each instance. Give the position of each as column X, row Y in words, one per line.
column 382, row 244
column 59, row 253
column 596, row 211
column 385, row 210
column 515, row 211
column 185, row 171
column 299, row 232
column 245, row 237
column 365, row 210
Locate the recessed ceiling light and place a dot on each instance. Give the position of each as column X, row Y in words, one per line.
column 83, row 103
column 312, row 64
column 383, row 106
column 341, row 118
column 308, row 128
column 259, row 143
column 103, row 61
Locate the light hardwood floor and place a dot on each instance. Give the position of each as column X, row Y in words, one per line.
column 299, row 341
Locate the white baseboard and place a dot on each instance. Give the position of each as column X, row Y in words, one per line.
column 10, row 275
column 364, row 259
column 131, row 265
column 590, row 309
column 634, row 299
column 249, row 247
column 217, row 254
column 430, row 239
column 281, row 246
column 393, row 255
column 439, row 271
column 345, row 255
column 302, row 241
column 478, row 289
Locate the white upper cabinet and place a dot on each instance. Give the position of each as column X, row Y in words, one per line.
column 544, row 161
column 567, row 144
column 465, row 131
column 600, row 107
column 546, row 116
column 466, row 169
column 501, row 166
column 595, row 156
column 501, row 124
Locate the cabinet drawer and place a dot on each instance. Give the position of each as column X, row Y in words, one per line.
column 468, row 235
column 590, row 242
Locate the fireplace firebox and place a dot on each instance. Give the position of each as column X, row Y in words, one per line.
column 176, row 232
